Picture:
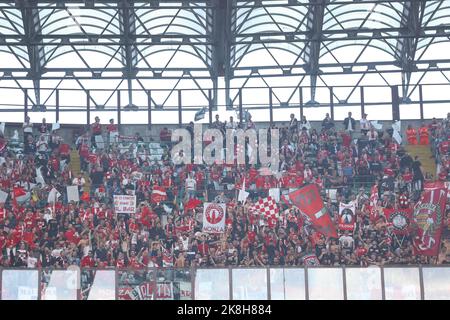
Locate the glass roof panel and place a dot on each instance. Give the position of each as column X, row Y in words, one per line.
column 11, row 22
column 436, row 13
column 363, row 15
column 79, row 21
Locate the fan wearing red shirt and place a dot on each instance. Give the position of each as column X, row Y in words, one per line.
column 88, row 261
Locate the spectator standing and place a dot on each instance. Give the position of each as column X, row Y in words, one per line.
column 96, row 130
column 365, row 124
column 349, row 124
column 418, row 177
column 191, row 186
column 327, row 123
column 27, row 129
column 113, row 132
column 304, row 124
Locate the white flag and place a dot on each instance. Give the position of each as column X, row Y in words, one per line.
column 55, row 126
column 243, row 195
column 2, row 127
column 53, row 196
column 376, row 125
column 39, row 177
column 397, row 137
column 397, row 126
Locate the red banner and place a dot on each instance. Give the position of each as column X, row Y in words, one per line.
column 399, row 219
column 428, row 219
column 308, row 200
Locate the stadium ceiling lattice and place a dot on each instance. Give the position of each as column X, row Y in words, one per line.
column 133, row 45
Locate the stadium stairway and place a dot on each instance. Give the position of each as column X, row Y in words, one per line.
column 425, row 157
column 75, row 167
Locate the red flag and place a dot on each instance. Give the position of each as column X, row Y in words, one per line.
column 308, row 200
column 159, row 194
column 85, row 197
column 18, row 192
column 399, row 219
column 428, row 220
column 192, row 204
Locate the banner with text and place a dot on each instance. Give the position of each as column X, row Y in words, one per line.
column 125, row 204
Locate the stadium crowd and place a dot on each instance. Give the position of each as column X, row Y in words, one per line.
column 350, row 156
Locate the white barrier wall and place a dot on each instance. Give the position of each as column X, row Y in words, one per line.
column 314, row 283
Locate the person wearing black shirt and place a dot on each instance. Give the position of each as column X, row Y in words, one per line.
column 52, row 228
column 349, row 124
column 418, row 177
column 97, row 177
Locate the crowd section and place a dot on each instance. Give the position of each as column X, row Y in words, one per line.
column 350, row 157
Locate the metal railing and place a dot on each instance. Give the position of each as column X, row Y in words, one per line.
column 61, row 105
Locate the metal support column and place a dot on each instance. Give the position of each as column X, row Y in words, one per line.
column 331, row 104
column 240, row 107
column 149, row 107
column 57, row 105
column 422, row 290
column 421, row 102
column 363, row 104
column 271, row 106
column 180, row 119
column 230, row 283
column 210, row 107
column 25, row 104
column 88, row 107
column 119, row 111
column 300, row 90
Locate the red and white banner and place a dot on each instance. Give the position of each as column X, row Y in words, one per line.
column 159, row 194
column 347, row 216
column 309, row 202
column 311, row 260
column 428, row 220
column 214, row 217
column 374, row 209
column 399, row 219
column 125, row 204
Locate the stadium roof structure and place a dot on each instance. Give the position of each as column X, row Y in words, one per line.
column 143, row 46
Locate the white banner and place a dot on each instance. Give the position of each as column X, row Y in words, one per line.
column 125, row 204
column 73, row 194
column 214, row 217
